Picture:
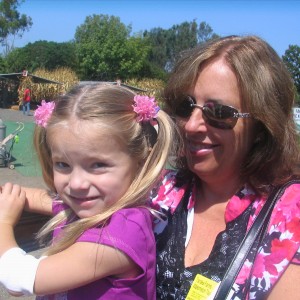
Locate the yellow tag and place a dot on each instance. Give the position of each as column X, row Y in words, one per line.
column 201, row 288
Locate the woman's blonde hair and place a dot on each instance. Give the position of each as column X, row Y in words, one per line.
column 112, row 108
column 267, row 92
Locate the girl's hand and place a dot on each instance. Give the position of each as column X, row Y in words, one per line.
column 12, row 201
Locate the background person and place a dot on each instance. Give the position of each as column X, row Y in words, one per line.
column 26, row 101
column 232, row 99
column 100, row 156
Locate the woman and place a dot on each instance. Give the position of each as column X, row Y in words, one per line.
column 232, row 99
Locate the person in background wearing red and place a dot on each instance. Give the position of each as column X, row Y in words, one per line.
column 26, row 101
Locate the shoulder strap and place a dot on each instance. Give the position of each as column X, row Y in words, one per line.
column 256, row 231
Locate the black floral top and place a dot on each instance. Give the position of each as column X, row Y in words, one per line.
column 257, row 277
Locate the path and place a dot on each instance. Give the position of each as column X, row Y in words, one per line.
column 13, row 176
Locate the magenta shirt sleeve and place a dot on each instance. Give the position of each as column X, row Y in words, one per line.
column 130, row 231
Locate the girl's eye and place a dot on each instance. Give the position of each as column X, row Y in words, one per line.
column 60, row 165
column 98, row 165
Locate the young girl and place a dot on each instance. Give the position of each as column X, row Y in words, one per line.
column 100, row 155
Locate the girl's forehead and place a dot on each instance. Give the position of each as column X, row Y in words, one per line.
column 81, row 132
column 76, row 126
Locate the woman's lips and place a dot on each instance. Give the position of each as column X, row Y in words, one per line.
column 200, row 148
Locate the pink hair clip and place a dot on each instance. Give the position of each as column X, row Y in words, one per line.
column 145, row 107
column 43, row 113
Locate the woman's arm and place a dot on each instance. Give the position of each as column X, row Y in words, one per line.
column 38, row 201
column 287, row 287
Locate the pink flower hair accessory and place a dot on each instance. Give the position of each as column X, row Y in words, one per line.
column 145, row 108
column 43, row 113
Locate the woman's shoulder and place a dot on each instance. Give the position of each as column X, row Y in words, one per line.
column 284, row 224
column 288, row 207
column 288, row 203
column 171, row 189
column 289, row 196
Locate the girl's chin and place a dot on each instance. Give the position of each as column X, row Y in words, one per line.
column 85, row 214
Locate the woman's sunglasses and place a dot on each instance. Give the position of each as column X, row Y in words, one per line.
column 214, row 114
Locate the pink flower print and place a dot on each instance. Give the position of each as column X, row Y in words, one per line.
column 281, row 250
column 235, row 207
column 259, row 266
column 294, row 227
column 277, row 217
column 244, row 274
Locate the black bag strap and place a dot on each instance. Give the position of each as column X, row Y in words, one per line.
column 256, row 232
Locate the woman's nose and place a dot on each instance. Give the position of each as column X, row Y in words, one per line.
column 195, row 122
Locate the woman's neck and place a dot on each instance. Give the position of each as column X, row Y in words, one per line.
column 212, row 193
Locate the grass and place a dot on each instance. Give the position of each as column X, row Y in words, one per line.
column 23, row 155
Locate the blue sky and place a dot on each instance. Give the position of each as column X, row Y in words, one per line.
column 276, row 21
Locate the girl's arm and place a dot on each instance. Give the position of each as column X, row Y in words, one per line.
column 80, row 264
column 38, row 201
column 12, row 201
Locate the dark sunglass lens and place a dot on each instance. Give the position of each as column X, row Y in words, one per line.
column 184, row 108
column 219, row 111
column 226, row 112
column 222, row 124
column 219, row 116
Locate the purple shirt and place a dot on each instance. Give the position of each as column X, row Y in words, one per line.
column 130, row 231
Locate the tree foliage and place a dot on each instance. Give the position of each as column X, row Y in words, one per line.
column 106, row 51
column 167, row 44
column 42, row 54
column 2, row 65
column 12, row 23
column 291, row 58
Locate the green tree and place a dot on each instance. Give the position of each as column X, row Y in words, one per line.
column 167, row 44
column 106, row 51
column 12, row 23
column 42, row 55
column 179, row 38
column 2, row 65
column 157, row 59
column 291, row 58
column 205, row 33
column 134, row 62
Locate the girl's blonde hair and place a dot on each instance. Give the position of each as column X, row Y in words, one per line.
column 111, row 107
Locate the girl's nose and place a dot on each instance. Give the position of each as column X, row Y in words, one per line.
column 195, row 123
column 78, row 180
